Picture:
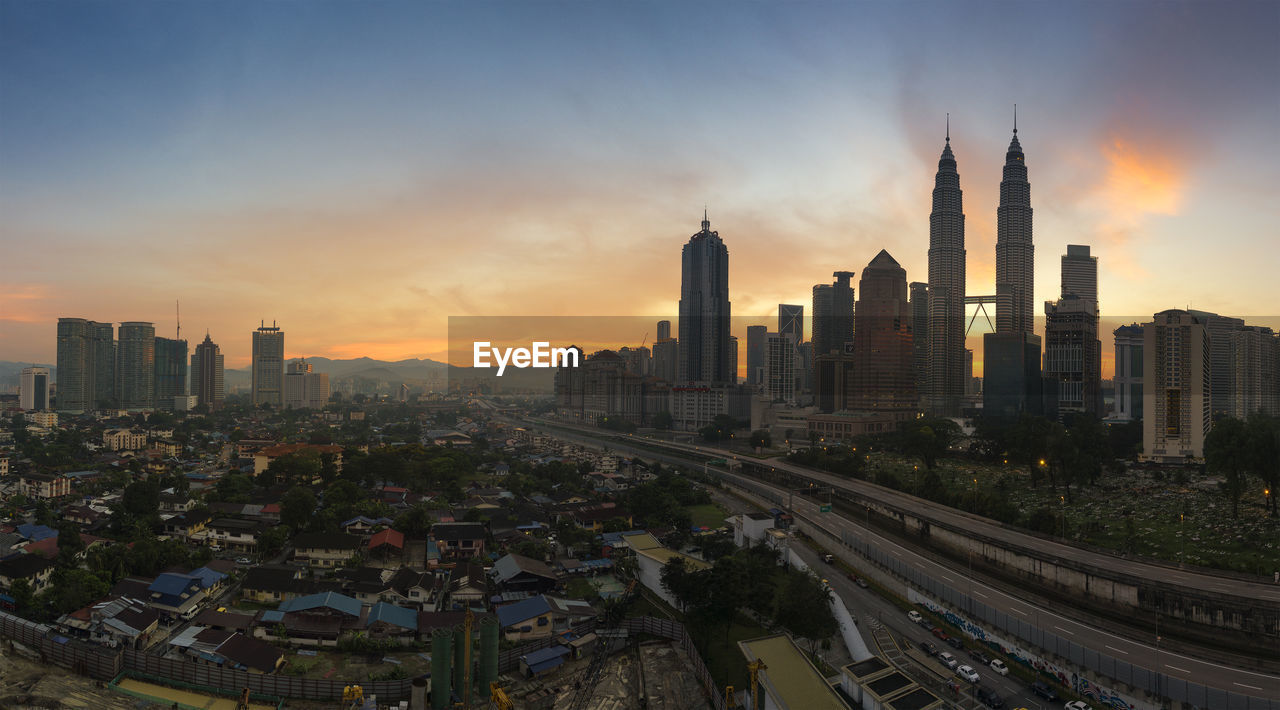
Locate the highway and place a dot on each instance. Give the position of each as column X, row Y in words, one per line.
column 1171, row 665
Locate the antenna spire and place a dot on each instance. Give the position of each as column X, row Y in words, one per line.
column 177, row 307
column 948, row 126
column 1015, row 119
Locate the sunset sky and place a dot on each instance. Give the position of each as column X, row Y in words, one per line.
column 359, row 172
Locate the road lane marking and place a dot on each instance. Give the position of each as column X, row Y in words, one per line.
column 1120, row 650
column 1251, row 687
column 1065, row 630
column 1018, row 611
column 1180, row 670
column 946, row 578
column 980, row 594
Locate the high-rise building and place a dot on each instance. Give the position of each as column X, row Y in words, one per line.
column 664, row 330
column 780, row 354
column 791, row 320
column 704, row 308
column 639, row 360
column 666, row 359
column 207, row 375
column 171, row 372
column 1128, row 377
column 268, row 366
column 136, row 366
column 882, row 344
column 34, row 389
column 304, row 388
column 834, row 382
column 1073, row 354
column 733, row 358
column 1079, row 273
column 1176, row 374
column 1255, row 380
column 946, row 289
column 1011, row 381
column 1015, row 253
column 920, row 334
column 755, row 354
column 86, row 365
column 833, row 315
column 1221, row 358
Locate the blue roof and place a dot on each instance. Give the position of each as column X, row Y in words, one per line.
column 36, row 533
column 332, row 600
column 601, row 563
column 545, row 658
column 520, row 611
column 207, row 577
column 173, row 583
column 394, row 615
column 367, row 521
column 273, row 616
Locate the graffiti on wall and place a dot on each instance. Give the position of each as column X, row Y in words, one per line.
column 1082, row 686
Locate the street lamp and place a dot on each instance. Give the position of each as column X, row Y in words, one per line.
column 1064, row 516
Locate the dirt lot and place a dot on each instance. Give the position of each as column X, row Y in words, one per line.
column 27, row 684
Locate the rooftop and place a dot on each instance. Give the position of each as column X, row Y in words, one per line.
column 789, row 676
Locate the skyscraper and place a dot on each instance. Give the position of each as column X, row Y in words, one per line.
column 102, row 364
column 1255, row 379
column 303, row 388
column 268, row 366
column 171, row 372
column 207, row 375
column 780, row 355
column 791, row 320
column 136, row 366
column 1015, row 253
column 704, row 308
column 75, row 366
column 946, row 289
column 34, row 394
column 882, row 347
column 1079, row 273
column 755, row 354
column 1128, row 377
column 1221, row 358
column 1073, row 354
column 1176, row 372
column 920, row 334
column 833, row 315
column 664, row 330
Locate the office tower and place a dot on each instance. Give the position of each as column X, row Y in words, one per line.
column 833, row 315
column 171, row 372
column 1219, row 329
column 1073, row 354
column 664, row 330
column 304, row 388
column 638, row 360
column 136, row 366
column 1176, row 372
column 1079, row 273
column 882, row 347
column 1015, row 253
column 791, row 320
column 1128, row 377
column 704, row 308
column 780, row 355
column 755, row 354
column 920, row 334
column 206, row 375
column 1011, row 381
column 86, row 365
column 666, row 359
column 946, row 289
column 1255, row 382
column 733, row 358
column 834, row 381
column 268, row 366
column 34, row 384
column 102, row 362
column 972, row 385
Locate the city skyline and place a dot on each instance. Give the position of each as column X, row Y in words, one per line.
column 261, row 135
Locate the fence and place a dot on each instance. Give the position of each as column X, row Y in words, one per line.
column 675, row 631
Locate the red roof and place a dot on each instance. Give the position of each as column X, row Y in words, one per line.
column 387, row 537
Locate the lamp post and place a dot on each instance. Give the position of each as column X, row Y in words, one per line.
column 1063, row 508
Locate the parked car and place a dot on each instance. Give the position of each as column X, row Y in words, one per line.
column 999, row 667
column 955, row 643
column 968, row 673
column 915, row 616
column 928, row 648
column 948, row 660
column 244, row 561
column 942, row 635
column 982, row 658
column 988, row 697
column 1077, row 705
column 1043, row 690
column 861, row 582
column 829, row 559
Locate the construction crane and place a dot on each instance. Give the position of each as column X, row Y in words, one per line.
column 498, row 698
column 243, row 702
column 604, row 646
column 753, row 673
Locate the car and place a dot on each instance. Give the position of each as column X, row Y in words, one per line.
column 244, row 561
column 1076, row 705
column 999, row 667
column 968, row 673
column 861, row 582
column 990, row 698
column 942, row 635
column 928, row 648
column 982, row 658
column 955, row 643
column 829, row 559
column 915, row 616
column 948, row 660
column 1042, row 689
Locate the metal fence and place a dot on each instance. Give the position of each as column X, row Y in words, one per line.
column 675, row 631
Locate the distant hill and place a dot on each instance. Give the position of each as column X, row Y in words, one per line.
column 11, row 372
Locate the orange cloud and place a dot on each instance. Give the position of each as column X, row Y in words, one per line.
column 1141, row 182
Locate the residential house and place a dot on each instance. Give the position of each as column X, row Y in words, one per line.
column 390, row 622
column 124, row 439
column 33, row 568
column 116, row 622
column 263, row 457
column 234, row 534
column 189, row 525
column 468, row 586
column 268, row 584
column 387, row 545
column 325, row 550
column 45, row 486
column 516, row 573
column 175, row 595
column 526, row 620
column 458, row 541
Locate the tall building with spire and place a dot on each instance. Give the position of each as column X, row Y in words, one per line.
column 1015, row 253
column 207, row 375
column 883, row 379
column 946, row 289
column 704, row 309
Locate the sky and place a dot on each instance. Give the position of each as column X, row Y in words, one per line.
column 360, row 172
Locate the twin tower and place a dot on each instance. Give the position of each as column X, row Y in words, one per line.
column 1015, row 261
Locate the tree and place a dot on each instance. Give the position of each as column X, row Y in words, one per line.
column 23, row 598
column 804, row 608
column 297, row 507
column 761, row 439
column 1226, row 453
column 272, row 540
column 1262, row 434
column 719, row 429
column 297, row 467
column 929, row 439
column 662, row 421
